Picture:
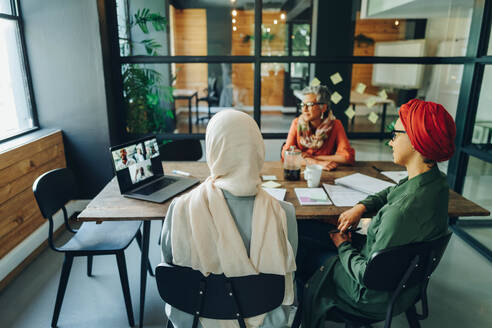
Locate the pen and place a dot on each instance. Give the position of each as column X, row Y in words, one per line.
column 181, row 173
column 379, row 170
column 348, row 230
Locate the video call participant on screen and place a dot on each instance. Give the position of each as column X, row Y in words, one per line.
column 139, row 157
column 259, row 232
column 317, row 133
column 127, row 161
column 414, row 210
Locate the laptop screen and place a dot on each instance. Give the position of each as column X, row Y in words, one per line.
column 136, row 163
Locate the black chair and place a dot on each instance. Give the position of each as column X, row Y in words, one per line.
column 212, row 98
column 181, row 150
column 394, row 270
column 52, row 191
column 219, row 297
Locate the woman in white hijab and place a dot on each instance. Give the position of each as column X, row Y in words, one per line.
column 229, row 224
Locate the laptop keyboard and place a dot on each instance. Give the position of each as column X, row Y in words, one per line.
column 156, row 186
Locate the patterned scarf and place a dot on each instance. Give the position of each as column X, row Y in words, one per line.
column 314, row 140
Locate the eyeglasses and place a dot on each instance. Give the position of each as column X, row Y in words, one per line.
column 310, row 105
column 394, row 132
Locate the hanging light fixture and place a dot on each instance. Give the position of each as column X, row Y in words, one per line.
column 397, row 22
column 275, row 21
column 234, row 12
column 234, row 21
column 234, row 28
column 282, row 16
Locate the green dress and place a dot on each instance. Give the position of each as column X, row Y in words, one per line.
column 412, row 211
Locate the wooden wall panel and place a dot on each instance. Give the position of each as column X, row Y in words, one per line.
column 379, row 30
column 272, row 85
column 189, row 38
column 19, row 213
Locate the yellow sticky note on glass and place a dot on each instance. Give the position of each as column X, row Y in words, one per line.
column 350, row 112
column 360, row 88
column 315, row 82
column 383, row 95
column 336, row 97
column 371, row 102
column 373, row 117
column 336, row 78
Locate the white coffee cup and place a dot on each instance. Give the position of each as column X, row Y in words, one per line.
column 312, row 174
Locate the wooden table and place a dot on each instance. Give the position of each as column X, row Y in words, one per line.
column 109, row 205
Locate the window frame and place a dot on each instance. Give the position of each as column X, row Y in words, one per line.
column 16, row 15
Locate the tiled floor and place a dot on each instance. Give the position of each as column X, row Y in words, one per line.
column 460, row 292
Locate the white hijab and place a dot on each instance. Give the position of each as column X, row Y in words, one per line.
column 204, row 235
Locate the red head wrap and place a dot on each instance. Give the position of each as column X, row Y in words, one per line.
column 430, row 128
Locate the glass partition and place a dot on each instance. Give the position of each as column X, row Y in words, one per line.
column 185, row 28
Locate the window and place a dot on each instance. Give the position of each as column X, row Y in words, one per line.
column 15, row 99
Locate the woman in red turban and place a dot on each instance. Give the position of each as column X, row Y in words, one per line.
column 414, row 210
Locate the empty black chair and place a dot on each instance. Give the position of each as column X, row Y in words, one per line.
column 52, row 191
column 212, row 98
column 394, row 270
column 181, row 150
column 219, row 297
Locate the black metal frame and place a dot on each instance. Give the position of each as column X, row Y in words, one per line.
column 16, row 15
column 474, row 62
column 465, row 118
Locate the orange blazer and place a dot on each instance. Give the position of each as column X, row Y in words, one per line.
column 336, row 143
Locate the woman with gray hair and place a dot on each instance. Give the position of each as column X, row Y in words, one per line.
column 317, row 133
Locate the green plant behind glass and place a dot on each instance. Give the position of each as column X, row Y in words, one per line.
column 142, row 87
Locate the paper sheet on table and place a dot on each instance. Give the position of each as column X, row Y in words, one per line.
column 364, row 225
column 343, row 196
column 336, row 78
column 270, row 184
column 396, row 176
column 336, row 97
column 315, row 82
column 350, row 112
column 373, row 117
column 364, row 183
column 360, row 88
column 269, row 177
column 278, row 193
column 312, row 196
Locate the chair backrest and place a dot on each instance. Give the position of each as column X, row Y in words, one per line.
column 216, row 296
column 387, row 267
column 212, row 87
column 181, row 150
column 53, row 190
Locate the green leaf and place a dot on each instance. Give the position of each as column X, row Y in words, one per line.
column 169, row 113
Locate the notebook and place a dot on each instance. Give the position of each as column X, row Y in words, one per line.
column 312, row 196
column 364, row 183
column 343, row 196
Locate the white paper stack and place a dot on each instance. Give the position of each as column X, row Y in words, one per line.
column 396, row 176
column 278, row 193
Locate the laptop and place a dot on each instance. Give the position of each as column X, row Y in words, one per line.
column 140, row 175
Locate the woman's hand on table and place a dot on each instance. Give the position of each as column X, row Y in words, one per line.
column 340, row 237
column 351, row 217
column 327, row 165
